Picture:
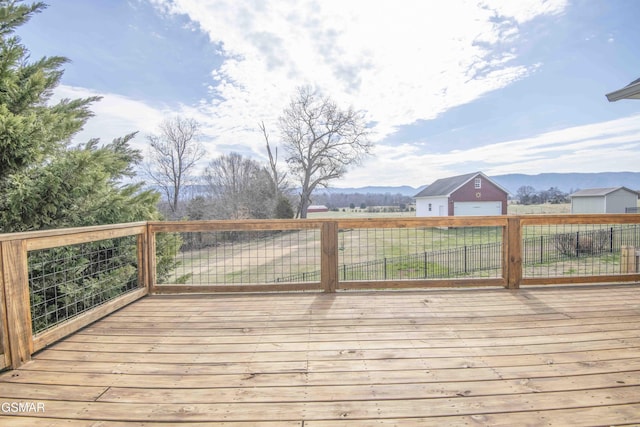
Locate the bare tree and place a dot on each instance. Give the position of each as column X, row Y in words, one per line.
column 238, row 188
column 525, row 194
column 321, row 140
column 278, row 179
column 172, row 155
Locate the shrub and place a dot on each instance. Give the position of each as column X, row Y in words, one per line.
column 589, row 243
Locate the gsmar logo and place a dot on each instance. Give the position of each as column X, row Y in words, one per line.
column 21, row 407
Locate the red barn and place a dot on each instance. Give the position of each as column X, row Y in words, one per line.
column 463, row 195
column 317, row 208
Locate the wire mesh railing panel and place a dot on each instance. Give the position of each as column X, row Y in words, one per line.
column 567, row 250
column 420, row 253
column 70, row 280
column 245, row 257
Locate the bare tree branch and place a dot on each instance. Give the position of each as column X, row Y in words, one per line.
column 278, row 179
column 322, row 141
column 172, row 155
column 238, row 188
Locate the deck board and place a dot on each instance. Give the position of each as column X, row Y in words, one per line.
column 535, row 356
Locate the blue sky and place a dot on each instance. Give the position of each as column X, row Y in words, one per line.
column 449, row 87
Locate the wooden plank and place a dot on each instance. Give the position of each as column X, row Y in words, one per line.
column 39, row 421
column 77, row 236
column 196, row 346
column 151, row 261
column 181, row 375
column 505, row 255
column 485, row 221
column 141, row 260
column 579, row 219
column 5, row 353
column 329, row 256
column 619, row 415
column 234, row 225
column 627, row 259
column 363, row 392
column 347, row 353
column 50, row 391
column 514, row 253
column 413, row 284
column 16, row 293
column 42, row 340
column 609, row 359
column 551, row 281
column 320, row 321
column 27, row 235
column 345, row 333
column 303, row 336
column 196, row 289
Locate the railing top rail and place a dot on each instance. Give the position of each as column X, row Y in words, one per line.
column 42, row 239
column 236, row 225
column 579, row 219
column 285, row 224
column 400, row 222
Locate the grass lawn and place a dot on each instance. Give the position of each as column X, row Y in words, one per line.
column 512, row 209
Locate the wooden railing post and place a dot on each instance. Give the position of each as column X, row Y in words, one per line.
column 5, row 360
column 150, row 266
column 142, row 242
column 627, row 259
column 329, row 256
column 15, row 286
column 514, row 253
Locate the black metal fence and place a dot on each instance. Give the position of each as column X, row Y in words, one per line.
column 485, row 260
column 580, row 243
column 462, row 261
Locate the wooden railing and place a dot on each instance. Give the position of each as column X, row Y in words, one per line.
column 319, row 255
column 18, row 339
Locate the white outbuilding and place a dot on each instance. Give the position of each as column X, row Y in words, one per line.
column 604, row 200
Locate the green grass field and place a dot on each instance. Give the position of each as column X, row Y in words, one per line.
column 512, row 209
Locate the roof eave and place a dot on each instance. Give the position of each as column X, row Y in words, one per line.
column 628, row 92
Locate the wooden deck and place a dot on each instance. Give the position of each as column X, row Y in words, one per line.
column 544, row 356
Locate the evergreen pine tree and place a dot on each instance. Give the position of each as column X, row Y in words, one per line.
column 46, row 183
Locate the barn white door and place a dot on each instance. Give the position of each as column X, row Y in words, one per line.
column 477, row 208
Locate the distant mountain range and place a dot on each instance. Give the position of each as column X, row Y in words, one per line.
column 567, row 182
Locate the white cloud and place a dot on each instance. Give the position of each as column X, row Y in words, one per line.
column 590, row 148
column 115, row 115
column 401, row 64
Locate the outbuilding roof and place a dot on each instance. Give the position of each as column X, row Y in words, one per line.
column 592, row 192
column 446, row 186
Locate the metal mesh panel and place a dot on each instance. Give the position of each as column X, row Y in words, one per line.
column 246, row 257
column 67, row 281
column 420, row 253
column 566, row 250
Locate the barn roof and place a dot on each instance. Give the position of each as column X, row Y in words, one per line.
column 593, row 192
column 446, row 186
